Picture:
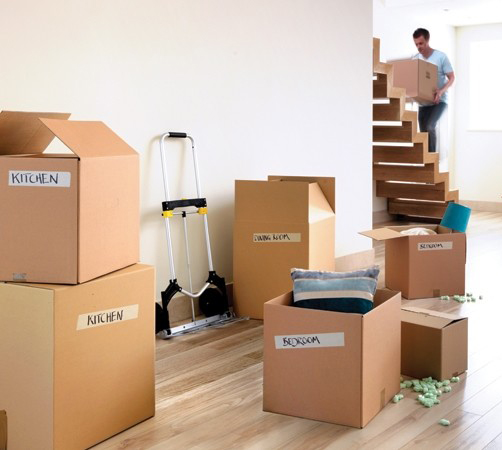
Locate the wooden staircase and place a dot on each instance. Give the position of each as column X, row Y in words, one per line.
column 405, row 172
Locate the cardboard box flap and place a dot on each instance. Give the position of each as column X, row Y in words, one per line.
column 319, row 207
column 22, row 133
column 88, row 139
column 427, row 317
column 327, row 185
column 381, row 234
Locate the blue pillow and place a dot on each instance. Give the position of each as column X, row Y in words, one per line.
column 351, row 292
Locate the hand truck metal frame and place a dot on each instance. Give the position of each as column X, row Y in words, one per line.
column 213, row 302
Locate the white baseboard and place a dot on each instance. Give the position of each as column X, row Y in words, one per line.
column 482, row 205
column 382, row 216
column 355, row 261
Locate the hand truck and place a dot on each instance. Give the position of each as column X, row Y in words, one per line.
column 213, row 302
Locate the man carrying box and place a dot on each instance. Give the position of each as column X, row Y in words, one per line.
column 429, row 115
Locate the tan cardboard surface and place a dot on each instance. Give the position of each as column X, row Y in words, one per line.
column 88, row 139
column 415, row 265
column 108, row 224
column 279, row 224
column 346, row 380
column 327, row 185
column 3, row 430
column 77, row 230
column 381, row 234
column 23, row 133
column 418, row 77
column 380, row 379
column 27, row 357
column 87, row 370
column 38, row 239
column 433, row 344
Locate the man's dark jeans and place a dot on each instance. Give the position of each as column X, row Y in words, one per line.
column 428, row 117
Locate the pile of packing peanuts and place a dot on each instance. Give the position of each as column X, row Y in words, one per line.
column 428, row 390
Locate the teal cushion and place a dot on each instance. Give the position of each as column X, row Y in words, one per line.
column 350, row 292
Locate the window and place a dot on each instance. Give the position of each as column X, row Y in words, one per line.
column 484, row 93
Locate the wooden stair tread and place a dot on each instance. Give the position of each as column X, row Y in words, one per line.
column 434, row 192
column 406, row 155
column 417, row 208
column 428, row 173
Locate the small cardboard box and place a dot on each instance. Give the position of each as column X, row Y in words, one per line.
column 281, row 223
column 433, row 344
column 335, row 367
column 77, row 361
column 423, row 266
column 65, row 218
column 418, row 77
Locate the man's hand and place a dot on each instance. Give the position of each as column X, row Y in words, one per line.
column 437, row 95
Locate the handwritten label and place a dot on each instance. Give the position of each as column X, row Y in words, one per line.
column 310, row 340
column 39, row 178
column 109, row 316
column 277, row 237
column 425, row 246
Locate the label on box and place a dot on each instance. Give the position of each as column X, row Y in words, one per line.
column 425, row 246
column 39, row 178
column 277, row 237
column 107, row 317
column 310, row 340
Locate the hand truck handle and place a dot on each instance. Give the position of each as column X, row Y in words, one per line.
column 176, row 134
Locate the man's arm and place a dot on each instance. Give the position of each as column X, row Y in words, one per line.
column 440, row 92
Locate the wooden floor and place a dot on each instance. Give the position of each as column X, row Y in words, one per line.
column 209, row 384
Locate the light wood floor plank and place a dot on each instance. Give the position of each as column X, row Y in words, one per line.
column 480, row 433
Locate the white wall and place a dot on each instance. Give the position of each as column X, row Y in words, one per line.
column 264, row 86
column 395, row 26
column 479, row 153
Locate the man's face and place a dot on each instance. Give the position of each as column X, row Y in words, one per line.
column 421, row 44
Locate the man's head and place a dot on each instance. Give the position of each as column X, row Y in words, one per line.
column 421, row 37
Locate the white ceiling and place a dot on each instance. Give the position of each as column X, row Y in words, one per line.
column 451, row 12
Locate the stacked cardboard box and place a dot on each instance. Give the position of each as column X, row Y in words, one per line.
column 77, row 356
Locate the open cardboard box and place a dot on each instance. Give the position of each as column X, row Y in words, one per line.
column 335, row 367
column 77, row 362
column 418, row 77
column 66, row 218
column 281, row 223
column 433, row 343
column 423, row 266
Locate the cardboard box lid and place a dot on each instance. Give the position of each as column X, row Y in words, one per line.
column 327, row 185
column 382, row 234
column 88, row 139
column 427, row 317
column 282, row 199
column 23, row 133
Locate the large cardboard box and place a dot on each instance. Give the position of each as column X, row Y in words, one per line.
column 66, row 218
column 423, row 266
column 418, row 77
column 281, row 223
column 433, row 343
column 77, row 362
column 335, row 367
